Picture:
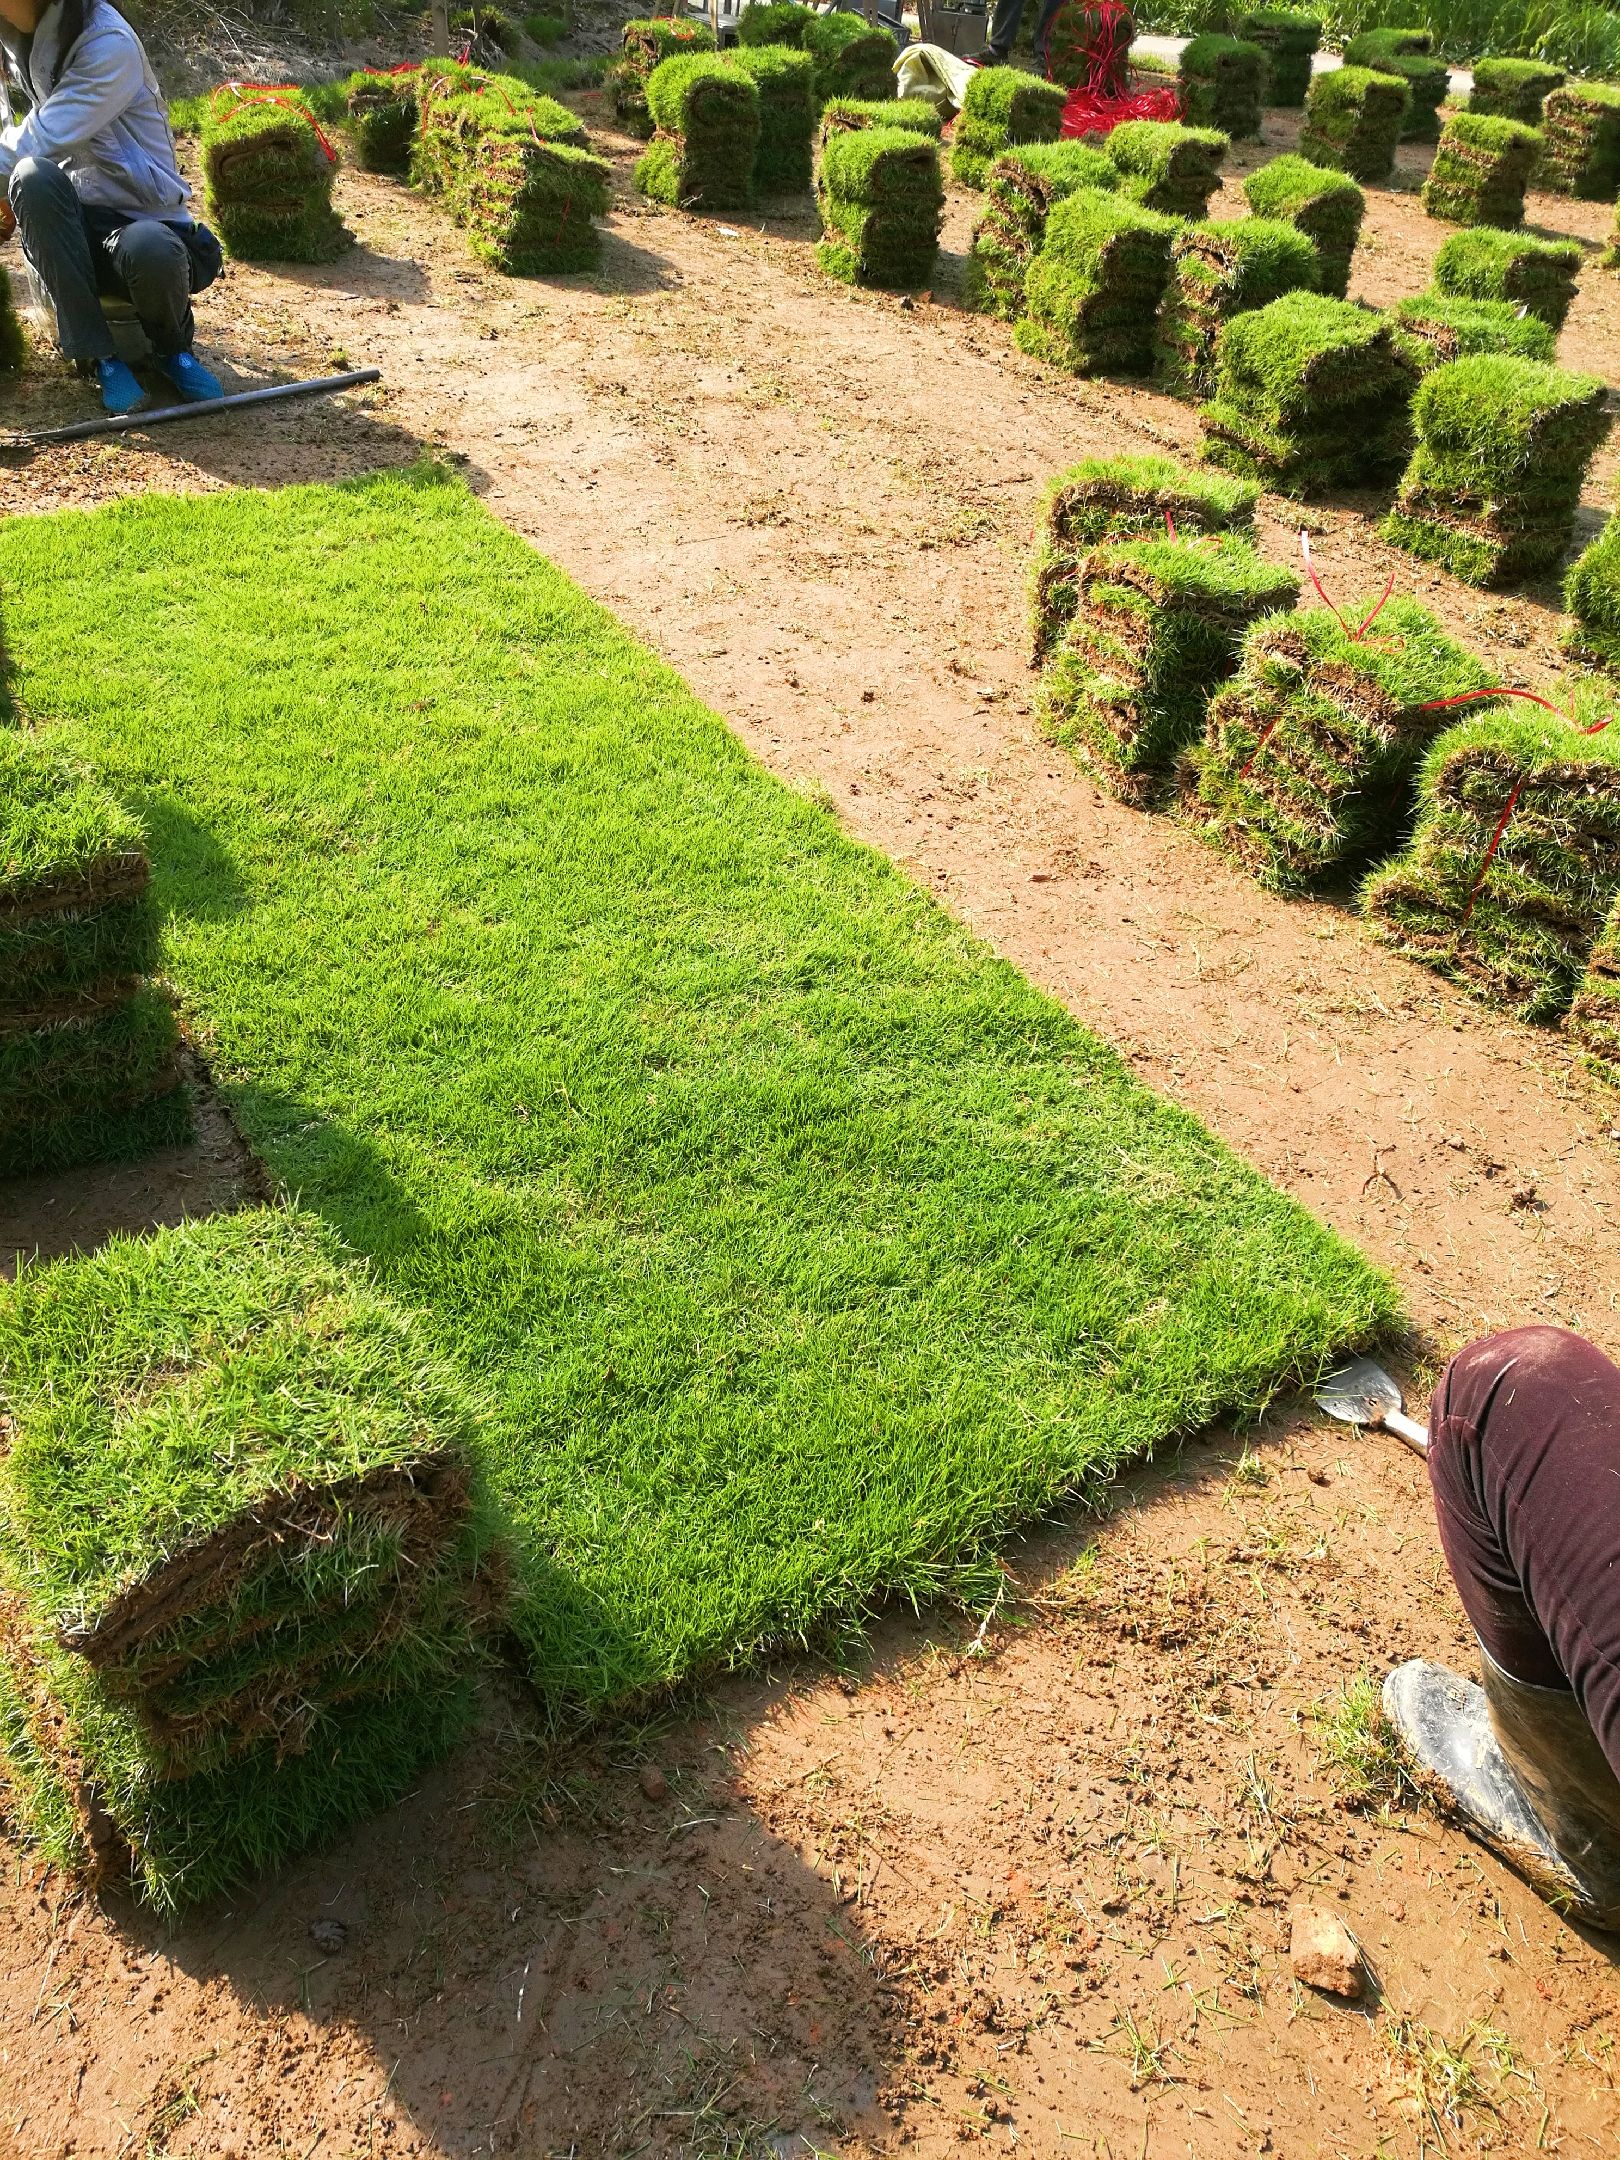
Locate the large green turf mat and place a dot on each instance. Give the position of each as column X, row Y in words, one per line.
column 801, row 1245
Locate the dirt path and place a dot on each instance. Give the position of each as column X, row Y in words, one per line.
column 1035, row 1893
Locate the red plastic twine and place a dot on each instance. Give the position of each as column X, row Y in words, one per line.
column 1355, row 636
column 263, row 94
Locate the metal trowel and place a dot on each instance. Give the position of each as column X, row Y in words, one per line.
column 1362, row 1393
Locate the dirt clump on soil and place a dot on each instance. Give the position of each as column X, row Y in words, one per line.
column 1024, row 1878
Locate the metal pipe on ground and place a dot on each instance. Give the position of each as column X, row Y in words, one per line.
column 125, row 423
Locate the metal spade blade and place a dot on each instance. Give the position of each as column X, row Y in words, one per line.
column 1362, row 1393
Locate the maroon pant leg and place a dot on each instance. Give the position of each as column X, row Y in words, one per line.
column 1524, row 1463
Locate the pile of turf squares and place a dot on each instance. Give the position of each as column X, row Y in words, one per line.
column 707, row 114
column 13, row 337
column 1486, row 264
column 1003, row 106
column 1092, row 294
column 1158, row 625
column 853, row 58
column 88, row 1048
column 1408, row 55
column 1021, row 188
column 1514, row 863
column 1326, row 206
column 1513, row 89
column 244, row 1571
column 842, row 113
column 1593, row 1019
column 1495, row 479
column 1310, row 394
column 1089, row 44
column 513, row 170
column 881, row 196
column 1592, row 598
column 1223, row 81
column 1289, row 39
column 1580, row 140
column 379, row 118
column 1119, row 498
column 267, row 177
column 773, row 22
column 1354, row 117
column 783, row 163
column 1218, row 271
column 1432, row 328
column 1167, row 167
column 648, row 42
column 1481, row 171
column 1308, row 760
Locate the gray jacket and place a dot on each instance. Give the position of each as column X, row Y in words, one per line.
column 96, row 111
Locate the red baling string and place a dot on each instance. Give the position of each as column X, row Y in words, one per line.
column 1169, row 526
column 1355, row 636
column 265, row 94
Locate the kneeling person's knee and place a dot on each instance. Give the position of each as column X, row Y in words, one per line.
column 153, row 255
column 36, row 182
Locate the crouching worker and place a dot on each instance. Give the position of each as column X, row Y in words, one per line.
column 1524, row 1462
column 93, row 188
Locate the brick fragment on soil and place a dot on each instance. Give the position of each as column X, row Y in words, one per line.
column 1324, row 1954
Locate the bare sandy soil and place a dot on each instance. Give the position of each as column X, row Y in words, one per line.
column 1026, row 1885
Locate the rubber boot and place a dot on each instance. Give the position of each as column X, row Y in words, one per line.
column 1525, row 1774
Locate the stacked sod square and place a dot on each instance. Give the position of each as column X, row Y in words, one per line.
column 244, row 1567
column 1353, row 120
column 1592, row 598
column 1485, row 264
column 1307, row 764
column 881, row 196
column 1092, row 294
column 773, row 22
column 379, row 118
column 1432, row 328
column 1021, row 188
column 13, row 338
column 267, row 177
column 1481, row 170
column 1089, row 44
column 1408, row 55
column 783, row 163
column 1326, row 206
column 1223, row 81
column 1289, row 40
column 648, row 42
column 513, row 170
column 1513, row 89
column 1514, row 863
column 1158, row 624
column 1003, row 106
column 844, row 112
column 853, row 58
column 1502, row 449
column 88, row 1049
column 1580, row 140
column 1593, row 1019
column 707, row 115
column 1167, row 167
column 1218, row 271
column 1119, row 498
column 1310, row 394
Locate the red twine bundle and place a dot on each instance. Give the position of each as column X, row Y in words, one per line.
column 1098, row 104
column 269, row 94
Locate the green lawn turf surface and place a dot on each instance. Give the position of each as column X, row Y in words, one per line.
column 802, row 1244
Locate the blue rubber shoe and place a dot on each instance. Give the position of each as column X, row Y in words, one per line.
column 120, row 392
column 190, row 378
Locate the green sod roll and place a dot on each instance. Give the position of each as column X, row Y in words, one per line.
column 1503, row 445
column 1289, row 40
column 1485, row 264
column 1481, row 171
column 267, row 178
column 1092, row 294
column 1512, row 89
column 881, row 196
column 512, row 169
column 1592, row 597
column 1354, row 118
column 1580, row 140
column 1167, row 167
column 1119, row 498
column 379, row 119
column 1326, row 206
column 1157, row 625
column 787, row 114
column 707, row 112
column 647, row 42
column 853, row 58
column 1431, row 328
column 1218, row 271
column 1310, row 394
column 13, row 337
column 1223, row 82
column 773, row 22
column 1020, row 189
column 1003, row 107
column 1409, row 55
column 1307, row 765
column 1514, row 863
column 1593, row 1019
